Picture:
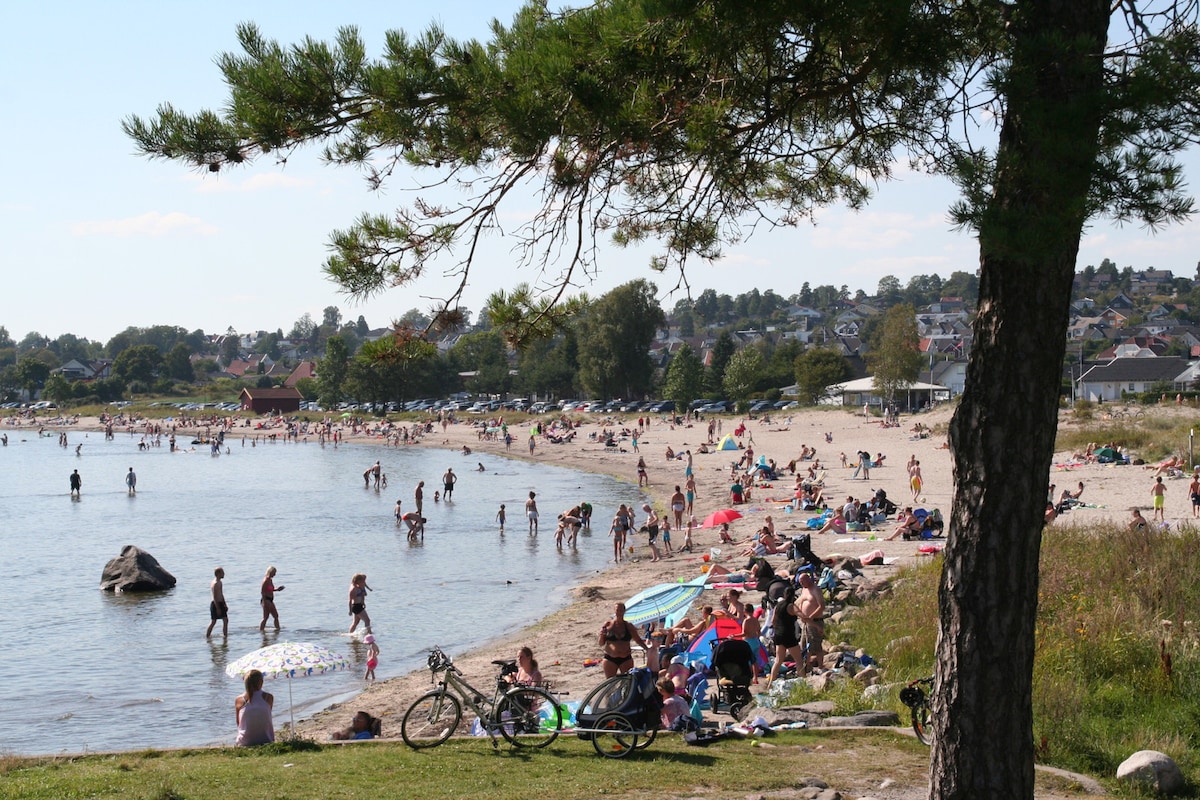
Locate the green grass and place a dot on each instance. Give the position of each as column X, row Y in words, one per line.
column 569, row 769
column 1152, row 437
column 1117, row 665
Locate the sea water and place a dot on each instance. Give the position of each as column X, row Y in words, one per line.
column 90, row 670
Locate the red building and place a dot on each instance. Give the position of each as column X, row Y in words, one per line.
column 271, row 401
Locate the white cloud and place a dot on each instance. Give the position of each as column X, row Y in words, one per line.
column 150, row 224
column 873, row 230
column 260, row 181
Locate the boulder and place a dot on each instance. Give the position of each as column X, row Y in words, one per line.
column 135, row 570
column 866, row 719
column 1153, row 770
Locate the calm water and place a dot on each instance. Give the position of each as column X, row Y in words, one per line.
column 90, row 670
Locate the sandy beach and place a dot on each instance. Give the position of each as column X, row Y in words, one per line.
column 565, row 639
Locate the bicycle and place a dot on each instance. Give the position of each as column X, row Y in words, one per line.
column 916, row 696
column 526, row 716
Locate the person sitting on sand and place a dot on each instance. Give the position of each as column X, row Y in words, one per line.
column 686, row 629
column 1137, row 522
column 678, row 672
column 360, row 728
column 908, row 525
column 835, row 524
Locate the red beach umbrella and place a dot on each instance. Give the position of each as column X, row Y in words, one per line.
column 720, row 517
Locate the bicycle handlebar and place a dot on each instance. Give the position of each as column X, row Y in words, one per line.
column 439, row 661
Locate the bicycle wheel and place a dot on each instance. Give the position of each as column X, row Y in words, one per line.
column 614, row 736
column 529, row 717
column 921, row 723
column 431, row 719
column 646, row 739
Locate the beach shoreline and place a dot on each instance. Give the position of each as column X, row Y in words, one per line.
column 566, row 638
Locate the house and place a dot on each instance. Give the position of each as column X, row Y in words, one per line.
column 862, row 391
column 75, row 370
column 268, row 401
column 1114, row 318
column 305, row 369
column 1128, row 375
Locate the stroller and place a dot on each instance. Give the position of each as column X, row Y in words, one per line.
column 883, row 505
column 733, row 661
column 621, row 714
column 800, row 551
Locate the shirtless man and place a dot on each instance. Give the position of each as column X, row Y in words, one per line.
column 752, row 635
column 416, row 525
column 1159, row 492
column 419, row 494
column 678, row 504
column 914, row 480
column 810, row 606
column 448, row 481
column 572, row 521
column 217, row 609
column 532, row 513
column 617, row 637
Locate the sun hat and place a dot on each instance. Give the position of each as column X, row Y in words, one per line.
column 369, row 639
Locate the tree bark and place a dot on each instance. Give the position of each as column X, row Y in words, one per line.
column 1002, row 436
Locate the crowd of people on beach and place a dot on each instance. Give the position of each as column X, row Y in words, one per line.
column 635, row 528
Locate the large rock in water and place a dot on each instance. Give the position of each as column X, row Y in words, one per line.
column 135, row 571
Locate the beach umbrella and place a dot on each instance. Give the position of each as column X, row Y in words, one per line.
column 663, row 600
column 288, row 660
column 720, row 517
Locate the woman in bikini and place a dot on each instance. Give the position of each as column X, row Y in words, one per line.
column 267, row 599
column 622, row 522
column 616, row 637
column 358, row 602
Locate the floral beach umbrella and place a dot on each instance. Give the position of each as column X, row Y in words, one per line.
column 288, row 660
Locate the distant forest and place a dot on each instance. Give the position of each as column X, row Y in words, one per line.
column 169, row 359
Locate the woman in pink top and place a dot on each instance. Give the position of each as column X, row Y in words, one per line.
column 253, row 711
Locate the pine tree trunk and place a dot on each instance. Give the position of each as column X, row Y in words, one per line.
column 1002, row 435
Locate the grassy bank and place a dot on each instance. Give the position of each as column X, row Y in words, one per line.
column 569, row 769
column 1118, row 651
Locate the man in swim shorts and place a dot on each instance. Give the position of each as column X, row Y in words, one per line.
column 448, row 481
column 217, row 609
column 532, row 513
column 1159, row 492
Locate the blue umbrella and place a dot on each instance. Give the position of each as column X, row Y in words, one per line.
column 661, row 601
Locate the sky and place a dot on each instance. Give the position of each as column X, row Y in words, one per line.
column 97, row 239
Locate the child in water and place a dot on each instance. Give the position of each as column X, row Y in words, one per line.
column 500, row 517
column 372, row 656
